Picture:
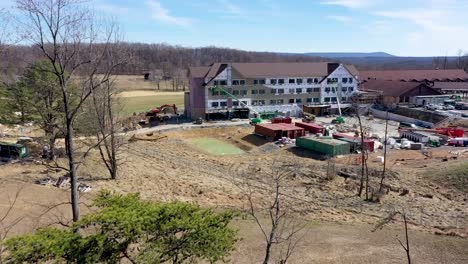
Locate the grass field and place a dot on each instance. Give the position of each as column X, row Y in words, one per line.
column 137, row 82
column 144, row 103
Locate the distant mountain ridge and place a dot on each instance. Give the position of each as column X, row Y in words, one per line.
column 350, row 54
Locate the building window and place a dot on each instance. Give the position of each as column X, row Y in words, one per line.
column 280, row 101
column 299, row 81
column 254, row 91
column 316, row 80
column 327, row 99
column 280, row 81
column 310, row 80
column 291, row 101
column 261, row 81
column 298, row 100
column 316, row 100
column 350, row 80
column 344, row 99
column 350, row 89
column 273, row 81
column 215, row 82
column 243, row 92
column 333, row 89
column 273, row 91
column 244, row 102
column 214, row 104
column 242, row 82
column 261, row 91
column 254, row 102
column 235, row 82
column 333, row 99
column 223, row 82
column 327, row 89
column 235, row 103
column 344, row 89
column 235, row 92
column 292, row 80
column 281, row 91
column 261, row 102
column 309, row 100
column 309, row 90
column 272, row 102
column 223, row 104
column 332, row 80
column 291, row 91
column 316, row 90
column 344, row 80
column 299, row 90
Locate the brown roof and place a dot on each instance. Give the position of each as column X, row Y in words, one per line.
column 198, row 72
column 279, row 69
column 415, row 75
column 451, row 85
column 391, row 88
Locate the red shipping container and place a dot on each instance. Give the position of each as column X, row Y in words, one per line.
column 368, row 143
column 278, row 120
column 311, row 128
column 276, row 131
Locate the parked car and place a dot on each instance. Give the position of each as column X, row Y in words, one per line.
column 433, row 107
column 461, row 106
column 448, row 107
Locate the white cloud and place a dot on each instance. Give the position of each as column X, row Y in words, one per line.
column 349, row 3
column 230, row 7
column 343, row 19
column 162, row 14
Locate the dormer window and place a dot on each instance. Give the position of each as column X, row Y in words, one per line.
column 292, row 81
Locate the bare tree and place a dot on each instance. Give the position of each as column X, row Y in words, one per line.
column 265, row 195
column 104, row 106
column 364, row 156
column 388, row 219
column 385, row 155
column 80, row 51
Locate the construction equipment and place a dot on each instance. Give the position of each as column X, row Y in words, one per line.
column 198, row 121
column 162, row 113
column 447, row 131
column 13, row 151
column 338, row 120
column 257, row 116
column 308, row 118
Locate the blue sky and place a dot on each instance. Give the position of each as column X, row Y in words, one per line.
column 400, row 27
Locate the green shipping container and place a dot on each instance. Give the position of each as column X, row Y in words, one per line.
column 10, row 150
column 324, row 145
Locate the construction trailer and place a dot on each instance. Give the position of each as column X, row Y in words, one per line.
column 311, row 128
column 13, row 151
column 324, row 145
column 368, row 143
column 274, row 132
column 285, row 120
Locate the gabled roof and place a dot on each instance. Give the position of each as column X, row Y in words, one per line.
column 275, row 69
column 198, row 72
column 451, row 85
column 392, row 88
column 415, row 75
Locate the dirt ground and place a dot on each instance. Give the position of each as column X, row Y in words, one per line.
column 166, row 167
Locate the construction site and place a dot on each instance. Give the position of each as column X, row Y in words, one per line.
column 204, row 164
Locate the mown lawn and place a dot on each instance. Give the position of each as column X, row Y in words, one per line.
column 144, row 103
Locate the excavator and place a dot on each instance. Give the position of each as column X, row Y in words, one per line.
column 162, row 113
column 256, row 120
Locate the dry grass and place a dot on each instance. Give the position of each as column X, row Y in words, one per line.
column 137, row 82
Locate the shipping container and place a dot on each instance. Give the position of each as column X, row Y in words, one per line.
column 324, row 145
column 285, row 120
column 311, row 128
column 274, row 132
column 368, row 143
column 13, row 151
